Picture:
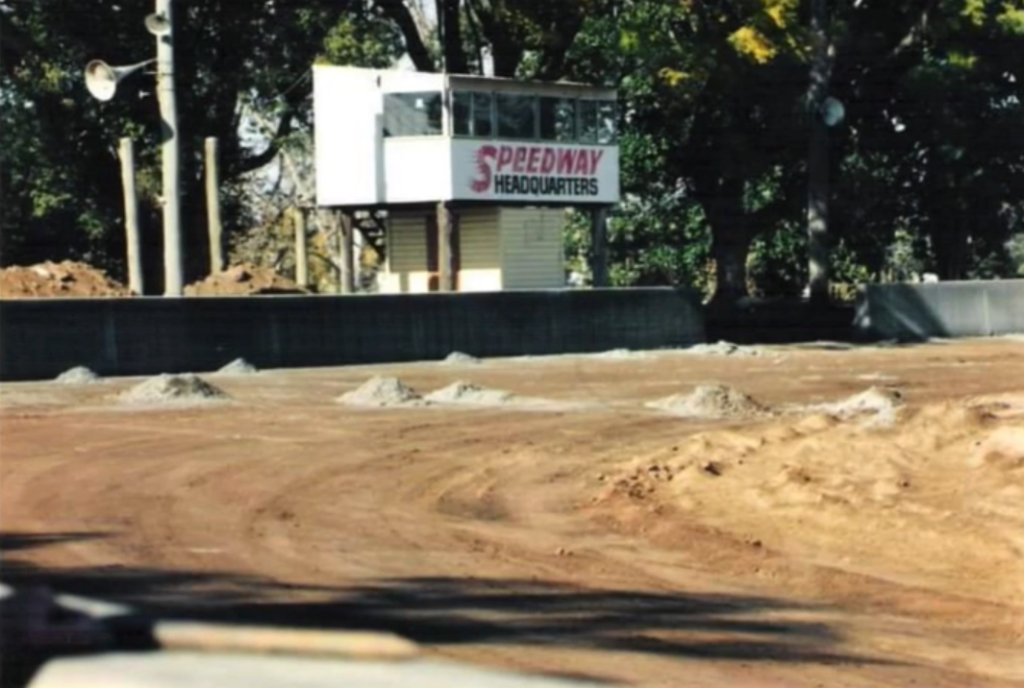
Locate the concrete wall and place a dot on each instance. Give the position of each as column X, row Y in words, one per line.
column 915, row 312
column 40, row 338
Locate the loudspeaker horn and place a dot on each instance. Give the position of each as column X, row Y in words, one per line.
column 101, row 79
column 157, row 24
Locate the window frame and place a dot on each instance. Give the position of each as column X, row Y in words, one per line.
column 598, row 104
column 404, row 96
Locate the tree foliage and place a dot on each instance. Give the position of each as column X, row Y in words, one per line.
column 926, row 169
column 61, row 190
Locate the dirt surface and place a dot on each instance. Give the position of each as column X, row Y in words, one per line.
column 617, row 541
column 244, row 280
column 64, row 280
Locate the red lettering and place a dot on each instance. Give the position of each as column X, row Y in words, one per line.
column 547, row 163
column 520, row 160
column 533, row 160
column 582, row 167
column 595, row 160
column 482, row 182
column 565, row 161
column 504, row 157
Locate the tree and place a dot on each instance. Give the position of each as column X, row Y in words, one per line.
column 523, row 39
column 935, row 120
column 721, row 90
column 61, row 177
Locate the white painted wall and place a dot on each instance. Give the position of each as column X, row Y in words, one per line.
column 347, row 109
column 357, row 166
column 418, row 169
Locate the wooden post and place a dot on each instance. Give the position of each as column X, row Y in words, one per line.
column 301, row 248
column 213, row 207
column 599, row 246
column 445, row 255
column 346, row 273
column 131, row 217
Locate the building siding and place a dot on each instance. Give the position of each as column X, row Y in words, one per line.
column 406, row 255
column 407, row 242
column 479, row 258
column 480, row 246
column 532, row 248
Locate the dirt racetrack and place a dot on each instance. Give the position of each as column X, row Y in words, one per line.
column 584, row 533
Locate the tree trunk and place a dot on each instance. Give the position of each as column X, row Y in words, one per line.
column 730, row 243
column 448, row 19
column 949, row 240
column 729, row 248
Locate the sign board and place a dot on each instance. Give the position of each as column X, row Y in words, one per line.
column 537, row 172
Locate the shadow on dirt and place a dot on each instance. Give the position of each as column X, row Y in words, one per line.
column 447, row 611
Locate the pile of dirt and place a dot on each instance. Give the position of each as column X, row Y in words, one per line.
column 79, row 375
column 245, row 279
column 461, row 392
column 1002, row 451
column 618, row 354
column 165, row 388
column 67, row 279
column 877, row 401
column 821, row 490
column 724, row 348
column 712, row 401
column 382, row 392
column 239, row 366
column 459, row 358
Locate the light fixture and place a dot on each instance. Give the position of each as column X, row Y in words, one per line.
column 832, row 111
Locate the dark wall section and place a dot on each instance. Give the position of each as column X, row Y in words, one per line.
column 915, row 312
column 40, row 338
column 778, row 322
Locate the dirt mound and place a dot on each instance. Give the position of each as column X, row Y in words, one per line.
column 239, row 366
column 724, row 348
column 244, row 280
column 461, row 392
column 173, row 388
column 618, row 354
column 382, row 392
column 79, row 375
column 876, row 400
column 459, row 358
column 712, row 401
column 1001, row 450
column 832, row 493
column 67, row 279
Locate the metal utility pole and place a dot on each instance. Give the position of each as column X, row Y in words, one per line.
column 131, row 217
column 817, row 158
column 173, row 262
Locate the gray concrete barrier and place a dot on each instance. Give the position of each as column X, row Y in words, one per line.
column 916, row 312
column 40, row 338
